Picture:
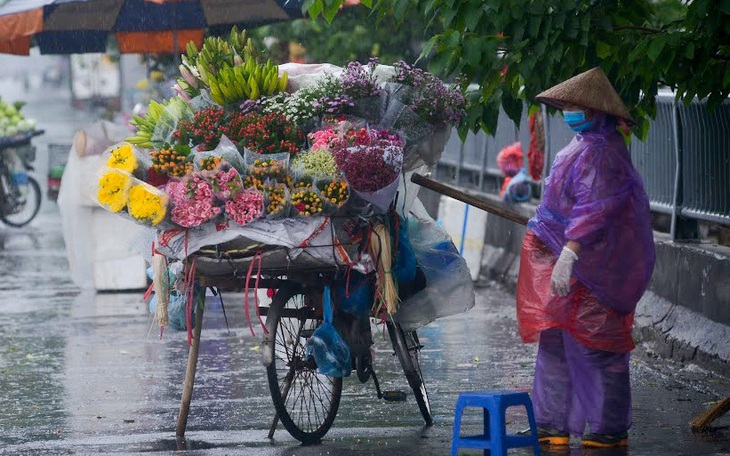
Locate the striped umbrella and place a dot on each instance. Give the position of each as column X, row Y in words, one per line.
column 139, row 26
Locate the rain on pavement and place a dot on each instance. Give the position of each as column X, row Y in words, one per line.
column 87, row 373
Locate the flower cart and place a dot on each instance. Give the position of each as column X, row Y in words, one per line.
column 296, row 180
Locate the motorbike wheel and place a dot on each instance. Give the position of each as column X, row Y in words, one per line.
column 21, row 208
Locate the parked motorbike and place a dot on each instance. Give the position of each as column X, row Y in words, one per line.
column 20, row 193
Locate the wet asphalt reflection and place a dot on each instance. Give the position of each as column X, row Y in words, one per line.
column 87, row 373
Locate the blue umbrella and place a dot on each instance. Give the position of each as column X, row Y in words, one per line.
column 140, row 26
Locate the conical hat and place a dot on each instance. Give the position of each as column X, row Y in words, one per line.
column 591, row 89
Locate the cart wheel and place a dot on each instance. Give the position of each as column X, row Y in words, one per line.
column 22, row 207
column 407, row 348
column 305, row 400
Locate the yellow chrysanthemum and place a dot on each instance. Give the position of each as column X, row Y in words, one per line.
column 112, row 191
column 123, row 158
column 146, row 205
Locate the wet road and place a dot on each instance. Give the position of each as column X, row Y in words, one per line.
column 86, row 373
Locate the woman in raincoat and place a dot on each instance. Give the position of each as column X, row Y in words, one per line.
column 586, row 260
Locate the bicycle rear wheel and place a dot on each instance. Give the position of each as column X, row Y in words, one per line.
column 407, row 348
column 305, row 400
column 23, row 206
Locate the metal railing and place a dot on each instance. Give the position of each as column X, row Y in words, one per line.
column 684, row 161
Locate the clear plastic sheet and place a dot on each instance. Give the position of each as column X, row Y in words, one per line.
column 449, row 289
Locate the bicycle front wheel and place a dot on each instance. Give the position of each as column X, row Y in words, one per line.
column 407, row 348
column 305, row 400
column 23, row 206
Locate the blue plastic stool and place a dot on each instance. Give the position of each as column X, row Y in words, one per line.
column 495, row 436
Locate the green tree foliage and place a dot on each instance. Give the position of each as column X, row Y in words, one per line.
column 514, row 49
column 354, row 35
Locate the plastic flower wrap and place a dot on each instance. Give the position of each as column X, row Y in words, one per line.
column 297, row 180
column 113, row 189
column 193, row 200
column 306, row 202
column 245, row 206
column 225, row 151
column 262, row 169
column 424, row 110
column 125, row 157
column 361, row 85
column 147, row 205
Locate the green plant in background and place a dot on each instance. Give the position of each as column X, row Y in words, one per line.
column 514, row 49
column 355, row 35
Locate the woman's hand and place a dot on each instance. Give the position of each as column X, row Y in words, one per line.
column 560, row 280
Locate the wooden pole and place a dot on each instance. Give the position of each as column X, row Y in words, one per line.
column 187, row 394
column 471, row 200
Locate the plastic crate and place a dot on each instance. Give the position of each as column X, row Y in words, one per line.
column 57, row 158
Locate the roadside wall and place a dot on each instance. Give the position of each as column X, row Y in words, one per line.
column 685, row 314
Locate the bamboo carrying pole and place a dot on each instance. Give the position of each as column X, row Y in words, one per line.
column 187, row 395
column 471, row 200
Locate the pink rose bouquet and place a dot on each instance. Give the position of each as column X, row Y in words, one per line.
column 245, row 206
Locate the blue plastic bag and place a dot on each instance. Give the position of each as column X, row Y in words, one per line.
column 355, row 293
column 330, row 351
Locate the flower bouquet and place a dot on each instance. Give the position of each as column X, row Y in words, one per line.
column 334, row 192
column 169, row 162
column 245, row 206
column 277, row 201
column 306, row 202
column 423, row 108
column 268, row 133
column 225, row 180
column 120, row 192
column 263, row 169
column 371, row 161
column 125, row 157
column 315, row 162
column 360, row 84
column 193, row 200
column 113, row 189
column 225, row 151
column 147, row 205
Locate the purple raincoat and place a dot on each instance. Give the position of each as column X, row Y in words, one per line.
column 595, row 197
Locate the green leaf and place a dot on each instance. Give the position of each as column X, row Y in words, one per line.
column 603, row 50
column 330, row 10
column 472, row 20
column 512, row 107
column 724, row 6
column 533, row 26
column 472, row 50
column 655, row 48
column 689, row 50
column 315, row 8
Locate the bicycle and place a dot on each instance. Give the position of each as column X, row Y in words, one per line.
column 306, row 401
column 20, row 193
